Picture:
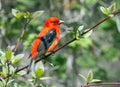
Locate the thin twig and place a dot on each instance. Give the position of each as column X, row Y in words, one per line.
column 97, row 24
column 105, row 83
column 100, row 22
column 22, row 34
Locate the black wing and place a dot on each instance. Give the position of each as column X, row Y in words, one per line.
column 47, row 40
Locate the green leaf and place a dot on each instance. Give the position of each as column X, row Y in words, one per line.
column 80, row 28
column 33, row 74
column 27, row 15
column 3, row 81
column 117, row 20
column 14, row 12
column 79, row 31
column 16, row 85
column 1, row 53
column 51, row 64
column 11, row 69
column 17, row 58
column 87, row 34
column 30, row 80
column 104, row 10
column 95, row 81
column 90, row 76
column 39, row 69
column 2, row 74
column 10, row 81
column 19, row 15
column 45, row 78
column 108, row 10
column 112, row 8
column 110, row 15
column 39, row 72
column 37, row 14
column 21, row 73
column 8, row 53
column 83, row 77
column 1, row 84
column 39, row 65
column 78, row 34
column 4, row 69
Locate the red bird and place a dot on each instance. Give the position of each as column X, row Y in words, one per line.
column 47, row 39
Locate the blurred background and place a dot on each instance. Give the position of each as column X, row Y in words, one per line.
column 100, row 52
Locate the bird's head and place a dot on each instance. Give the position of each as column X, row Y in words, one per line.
column 53, row 21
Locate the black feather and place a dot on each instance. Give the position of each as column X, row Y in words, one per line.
column 29, row 66
column 47, row 40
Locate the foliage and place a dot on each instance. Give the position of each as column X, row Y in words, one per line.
column 89, row 78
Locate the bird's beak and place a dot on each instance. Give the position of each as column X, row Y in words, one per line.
column 61, row 22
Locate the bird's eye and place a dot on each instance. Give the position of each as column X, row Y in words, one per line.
column 55, row 22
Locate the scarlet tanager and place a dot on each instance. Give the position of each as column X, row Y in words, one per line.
column 47, row 39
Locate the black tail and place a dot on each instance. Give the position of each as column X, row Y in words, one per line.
column 29, row 66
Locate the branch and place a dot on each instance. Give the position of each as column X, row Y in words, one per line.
column 74, row 39
column 100, row 22
column 46, row 56
column 100, row 84
column 21, row 36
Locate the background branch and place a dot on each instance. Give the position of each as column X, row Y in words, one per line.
column 22, row 34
